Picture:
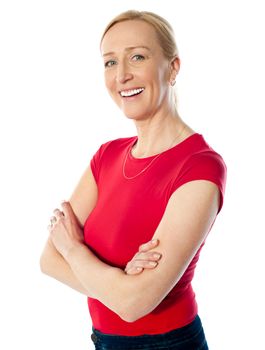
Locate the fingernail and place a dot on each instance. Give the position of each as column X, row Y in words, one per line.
column 138, row 268
column 154, row 240
column 156, row 256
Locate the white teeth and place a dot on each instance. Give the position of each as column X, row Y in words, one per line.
column 131, row 92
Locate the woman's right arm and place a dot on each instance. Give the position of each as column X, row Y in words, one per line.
column 53, row 264
column 82, row 200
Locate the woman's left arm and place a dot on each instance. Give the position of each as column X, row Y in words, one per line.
column 188, row 217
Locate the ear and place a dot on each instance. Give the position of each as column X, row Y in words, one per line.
column 174, row 68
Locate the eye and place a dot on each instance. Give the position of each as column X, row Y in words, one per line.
column 109, row 63
column 138, row 58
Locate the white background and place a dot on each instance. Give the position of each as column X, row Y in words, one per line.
column 55, row 113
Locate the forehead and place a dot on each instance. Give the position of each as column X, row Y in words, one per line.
column 131, row 33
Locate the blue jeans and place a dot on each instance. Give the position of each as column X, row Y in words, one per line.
column 190, row 337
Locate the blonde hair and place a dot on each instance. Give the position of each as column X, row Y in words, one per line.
column 163, row 29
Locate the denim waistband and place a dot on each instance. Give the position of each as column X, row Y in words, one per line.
column 178, row 335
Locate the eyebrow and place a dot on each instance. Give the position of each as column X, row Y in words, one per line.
column 130, row 48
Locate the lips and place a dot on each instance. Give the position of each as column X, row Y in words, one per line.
column 131, row 92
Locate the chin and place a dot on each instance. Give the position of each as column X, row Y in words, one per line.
column 135, row 116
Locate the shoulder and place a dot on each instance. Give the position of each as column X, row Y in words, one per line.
column 202, row 162
column 202, row 157
column 206, row 160
column 115, row 144
column 107, row 152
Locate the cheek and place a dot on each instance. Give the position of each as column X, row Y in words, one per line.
column 158, row 76
column 110, row 81
column 107, row 81
column 163, row 74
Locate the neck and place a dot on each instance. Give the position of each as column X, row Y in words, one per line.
column 158, row 134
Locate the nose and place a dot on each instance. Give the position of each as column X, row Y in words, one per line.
column 123, row 73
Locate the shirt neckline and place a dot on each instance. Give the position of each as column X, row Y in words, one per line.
column 179, row 145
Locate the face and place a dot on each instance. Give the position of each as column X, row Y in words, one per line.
column 137, row 74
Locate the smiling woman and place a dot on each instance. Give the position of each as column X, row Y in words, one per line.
column 164, row 186
column 137, row 69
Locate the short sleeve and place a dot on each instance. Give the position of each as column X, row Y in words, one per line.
column 96, row 160
column 95, row 163
column 204, row 166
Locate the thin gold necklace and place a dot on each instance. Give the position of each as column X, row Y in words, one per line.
column 144, row 169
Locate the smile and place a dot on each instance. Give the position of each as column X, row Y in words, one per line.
column 133, row 92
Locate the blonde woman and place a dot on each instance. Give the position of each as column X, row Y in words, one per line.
column 164, row 186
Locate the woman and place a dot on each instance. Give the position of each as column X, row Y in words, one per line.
column 164, row 186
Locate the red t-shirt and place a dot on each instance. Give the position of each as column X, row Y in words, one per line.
column 128, row 212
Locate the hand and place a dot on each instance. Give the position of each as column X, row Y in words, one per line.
column 143, row 259
column 65, row 231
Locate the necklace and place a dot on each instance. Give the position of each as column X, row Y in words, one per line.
column 148, row 165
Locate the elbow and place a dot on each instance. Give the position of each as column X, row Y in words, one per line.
column 134, row 310
column 131, row 315
column 130, row 318
column 43, row 265
column 127, row 316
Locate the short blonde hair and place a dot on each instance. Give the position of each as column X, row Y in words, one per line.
column 163, row 29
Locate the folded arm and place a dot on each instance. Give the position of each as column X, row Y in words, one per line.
column 53, row 264
column 82, row 202
column 189, row 215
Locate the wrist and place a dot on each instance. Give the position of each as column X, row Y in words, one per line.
column 72, row 250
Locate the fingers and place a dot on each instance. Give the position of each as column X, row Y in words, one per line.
column 144, row 264
column 57, row 216
column 134, row 271
column 149, row 245
column 141, row 261
column 53, row 220
column 67, row 210
column 147, row 256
